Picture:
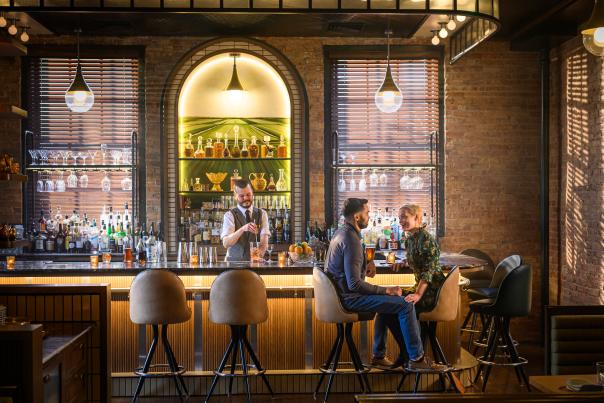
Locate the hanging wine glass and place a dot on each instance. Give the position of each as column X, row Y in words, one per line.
column 106, row 183
column 352, row 184
column 49, row 185
column 40, row 183
column 127, row 156
column 34, row 156
column 127, row 183
column 373, row 178
column 72, row 180
column 419, row 181
column 117, row 156
column 362, row 182
column 84, row 180
column 43, row 156
column 405, row 180
column 341, row 182
column 104, row 155
column 60, row 183
column 383, row 179
column 82, row 155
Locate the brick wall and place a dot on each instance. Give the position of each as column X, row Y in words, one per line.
column 578, row 135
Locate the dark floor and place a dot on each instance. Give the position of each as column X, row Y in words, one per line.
column 502, row 380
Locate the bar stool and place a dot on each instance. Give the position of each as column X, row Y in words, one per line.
column 445, row 310
column 238, row 299
column 502, row 270
column 329, row 309
column 513, row 300
column 157, row 297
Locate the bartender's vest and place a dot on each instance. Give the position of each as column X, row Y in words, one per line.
column 241, row 250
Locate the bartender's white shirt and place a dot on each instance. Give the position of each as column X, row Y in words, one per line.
column 228, row 222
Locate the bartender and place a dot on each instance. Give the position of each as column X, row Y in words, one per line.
column 244, row 224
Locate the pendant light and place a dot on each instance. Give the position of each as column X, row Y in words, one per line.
column 435, row 39
column 388, row 98
column 234, row 84
column 593, row 30
column 79, row 96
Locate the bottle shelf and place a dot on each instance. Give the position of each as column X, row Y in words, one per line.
column 79, row 168
column 232, row 159
column 385, row 166
column 193, row 193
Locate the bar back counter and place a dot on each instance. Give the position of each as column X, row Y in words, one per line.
column 291, row 344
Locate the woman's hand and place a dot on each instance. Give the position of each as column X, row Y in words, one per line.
column 396, row 267
column 413, row 298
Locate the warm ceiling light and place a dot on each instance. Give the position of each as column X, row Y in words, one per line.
column 388, row 98
column 451, row 25
column 13, row 27
column 435, row 39
column 234, row 84
column 460, row 18
column 443, row 33
column 3, row 21
column 593, row 30
column 24, row 35
column 79, row 96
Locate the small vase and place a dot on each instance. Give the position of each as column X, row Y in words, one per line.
column 281, row 182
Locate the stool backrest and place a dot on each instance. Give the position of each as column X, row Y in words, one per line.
column 238, row 297
column 447, row 300
column 328, row 307
column 488, row 268
column 515, row 293
column 158, row 297
column 503, row 269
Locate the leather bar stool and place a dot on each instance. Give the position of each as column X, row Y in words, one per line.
column 445, row 310
column 238, row 299
column 158, row 298
column 513, row 300
column 502, row 269
column 329, row 309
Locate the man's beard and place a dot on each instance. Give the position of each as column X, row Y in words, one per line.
column 246, row 204
column 363, row 225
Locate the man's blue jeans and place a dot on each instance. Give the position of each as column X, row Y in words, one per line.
column 389, row 304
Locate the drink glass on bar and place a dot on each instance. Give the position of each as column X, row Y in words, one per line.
column 282, row 258
column 391, row 258
column 106, row 256
column 128, row 258
column 10, row 263
column 369, row 251
column 94, row 261
column 256, row 252
column 194, row 260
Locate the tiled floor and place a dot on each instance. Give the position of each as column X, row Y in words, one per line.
column 502, row 380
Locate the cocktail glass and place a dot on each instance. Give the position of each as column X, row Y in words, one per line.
column 34, row 156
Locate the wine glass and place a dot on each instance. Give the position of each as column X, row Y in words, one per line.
column 383, row 179
column 34, row 155
column 82, row 155
column 106, row 183
column 72, row 180
column 404, row 181
column 418, row 181
column 116, row 155
column 84, row 180
column 362, row 182
column 352, row 183
column 104, row 153
column 127, row 183
column 40, row 184
column 60, row 183
column 341, row 182
column 68, row 155
column 92, row 154
column 43, row 156
column 62, row 155
column 269, row 249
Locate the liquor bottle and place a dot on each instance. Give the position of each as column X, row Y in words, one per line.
column 189, row 150
column 271, row 228
column 141, row 253
column 271, row 187
column 121, row 234
column 72, row 241
column 282, row 148
column 236, row 152
column 226, row 153
column 112, row 240
column 60, row 240
column 264, row 147
column 39, row 241
column 286, row 227
column 209, row 150
column 79, row 246
column 244, row 151
column 50, row 241
column 279, row 227
column 87, row 245
column 151, row 246
column 160, row 234
column 199, row 153
column 42, row 223
column 206, row 235
column 253, row 148
column 144, row 235
column 218, row 146
column 126, row 214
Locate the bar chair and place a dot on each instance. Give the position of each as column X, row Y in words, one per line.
column 238, row 299
column 158, row 298
column 512, row 300
column 329, row 309
column 445, row 310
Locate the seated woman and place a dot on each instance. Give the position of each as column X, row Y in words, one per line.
column 423, row 254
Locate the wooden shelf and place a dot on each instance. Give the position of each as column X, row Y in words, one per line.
column 12, row 112
column 264, row 192
column 13, row 178
column 233, row 159
column 10, row 47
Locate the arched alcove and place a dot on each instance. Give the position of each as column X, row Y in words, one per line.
column 194, row 102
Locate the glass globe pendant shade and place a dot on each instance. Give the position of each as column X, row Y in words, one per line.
column 3, row 21
column 388, row 98
column 12, row 29
column 460, row 18
column 593, row 30
column 451, row 25
column 79, row 97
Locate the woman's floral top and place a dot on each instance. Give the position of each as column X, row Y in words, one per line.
column 423, row 254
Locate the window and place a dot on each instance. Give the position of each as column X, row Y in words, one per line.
column 78, row 151
column 389, row 158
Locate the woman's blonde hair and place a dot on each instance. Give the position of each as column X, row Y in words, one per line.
column 413, row 209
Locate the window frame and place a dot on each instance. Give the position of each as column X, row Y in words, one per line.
column 93, row 51
column 377, row 52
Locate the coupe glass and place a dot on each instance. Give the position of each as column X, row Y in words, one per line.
column 34, row 156
column 92, row 155
column 352, row 183
column 84, row 180
column 72, row 180
column 269, row 249
column 43, row 156
column 127, row 183
column 106, row 183
column 53, row 157
column 60, row 183
column 82, row 155
column 383, row 179
column 63, row 155
column 117, row 156
column 68, row 155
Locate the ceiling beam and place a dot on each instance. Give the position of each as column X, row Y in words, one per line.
column 533, row 23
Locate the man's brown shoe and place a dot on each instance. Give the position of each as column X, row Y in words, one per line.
column 383, row 362
column 425, row 364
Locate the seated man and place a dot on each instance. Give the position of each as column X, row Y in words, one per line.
column 345, row 261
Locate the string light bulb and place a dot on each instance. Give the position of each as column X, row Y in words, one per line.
column 13, row 27
column 435, row 39
column 24, row 35
column 451, row 25
column 443, row 33
column 460, row 18
column 3, row 21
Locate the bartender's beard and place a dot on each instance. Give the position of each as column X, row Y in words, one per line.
column 246, row 204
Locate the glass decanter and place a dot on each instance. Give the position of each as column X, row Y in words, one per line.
column 209, row 151
column 197, row 185
column 244, row 151
column 106, row 183
column 271, row 187
column 253, row 148
column 236, row 152
column 362, row 182
column 282, row 148
column 264, row 149
column 189, row 150
column 234, row 177
column 373, row 178
column 218, row 146
column 281, row 182
column 72, row 180
column 226, row 153
column 199, row 153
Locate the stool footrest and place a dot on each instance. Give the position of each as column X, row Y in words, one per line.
column 139, row 371
column 255, row 371
column 522, row 361
column 327, row 370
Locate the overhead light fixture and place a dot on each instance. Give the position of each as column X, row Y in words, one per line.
column 435, row 39
column 24, row 35
column 235, row 84
column 79, row 96
column 3, row 21
column 13, row 27
column 388, row 97
column 451, row 25
column 460, row 17
column 443, row 33
column 593, row 30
